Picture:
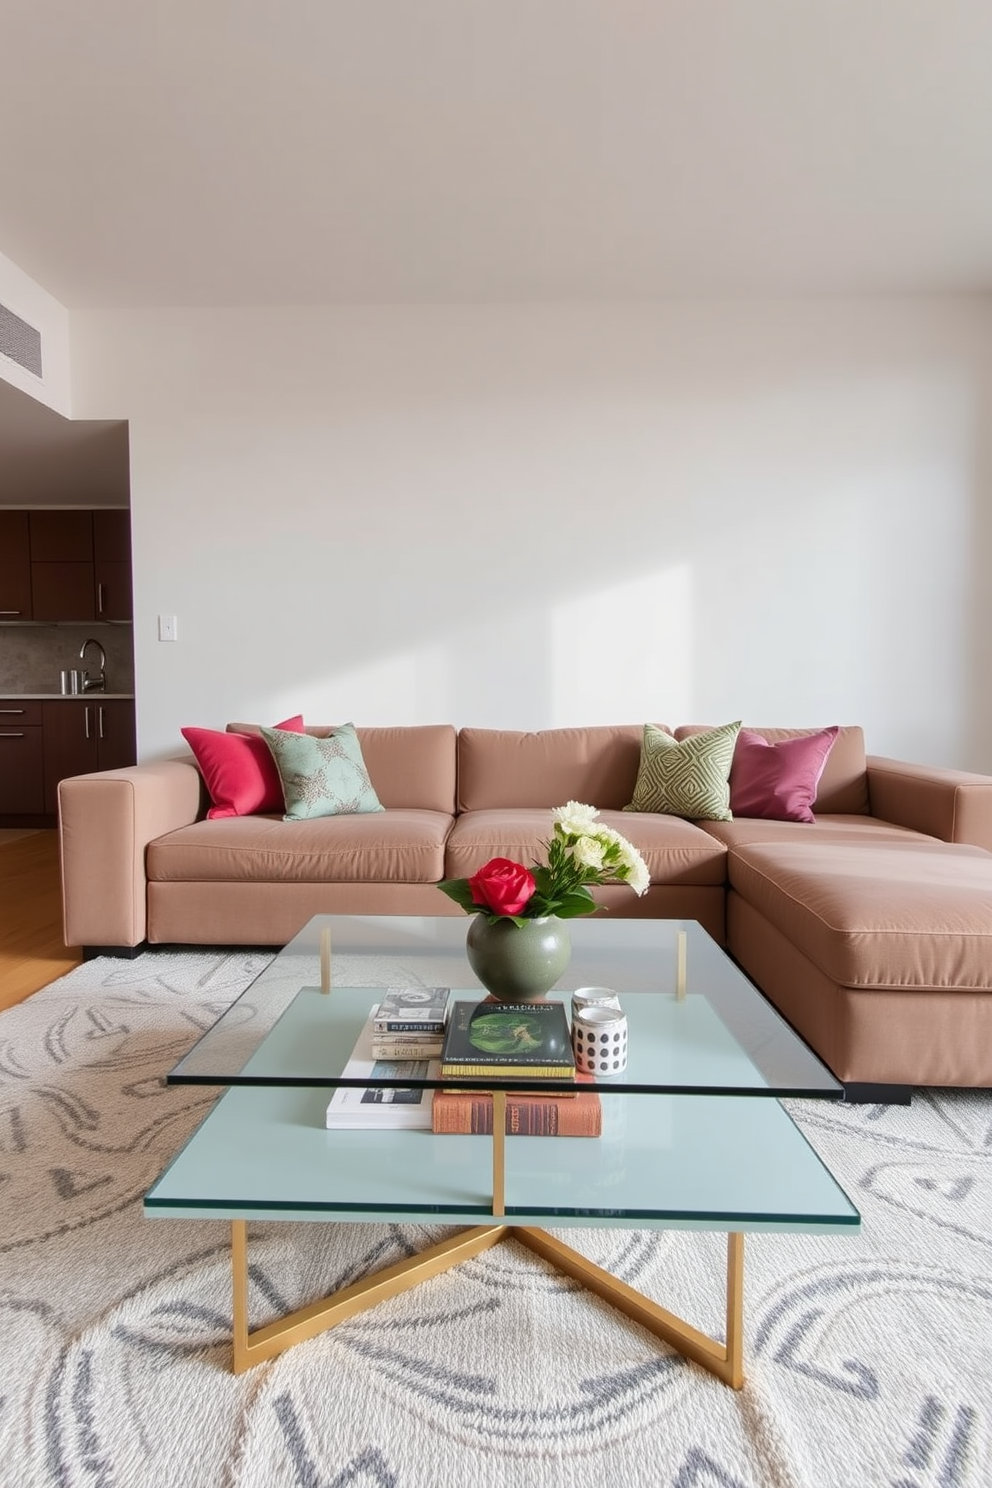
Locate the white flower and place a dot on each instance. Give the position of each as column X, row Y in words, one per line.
column 574, row 818
column 637, row 874
column 610, row 837
column 588, row 852
column 598, row 854
column 631, row 867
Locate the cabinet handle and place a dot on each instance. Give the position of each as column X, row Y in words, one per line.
column 11, row 710
column 11, row 612
column 100, row 712
column 11, row 736
column 87, row 719
column 99, row 599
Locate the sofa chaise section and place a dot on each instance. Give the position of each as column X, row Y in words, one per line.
column 874, row 937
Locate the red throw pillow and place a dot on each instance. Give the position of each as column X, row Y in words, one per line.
column 238, row 770
column 778, row 781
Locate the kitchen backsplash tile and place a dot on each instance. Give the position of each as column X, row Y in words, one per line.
column 32, row 656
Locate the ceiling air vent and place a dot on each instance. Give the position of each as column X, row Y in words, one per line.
column 19, row 341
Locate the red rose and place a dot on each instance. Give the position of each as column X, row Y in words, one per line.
column 502, row 886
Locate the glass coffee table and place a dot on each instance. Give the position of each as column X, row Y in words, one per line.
column 694, row 1135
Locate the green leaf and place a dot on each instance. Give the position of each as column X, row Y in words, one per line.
column 579, row 903
column 582, row 896
column 458, row 889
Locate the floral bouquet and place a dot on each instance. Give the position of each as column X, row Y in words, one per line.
column 580, row 853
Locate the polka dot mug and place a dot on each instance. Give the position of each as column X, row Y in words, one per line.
column 599, row 1041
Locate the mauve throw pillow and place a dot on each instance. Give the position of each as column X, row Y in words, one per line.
column 238, row 769
column 778, row 781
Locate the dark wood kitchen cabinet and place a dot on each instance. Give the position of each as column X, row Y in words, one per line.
column 82, row 735
column 64, row 536
column 112, row 565
column 22, row 789
column 115, row 740
column 81, row 564
column 15, row 566
column 62, row 565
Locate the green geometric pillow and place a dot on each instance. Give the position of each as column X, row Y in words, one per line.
column 322, row 777
column 687, row 777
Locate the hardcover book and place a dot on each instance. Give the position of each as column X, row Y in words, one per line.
column 526, row 1115
column 405, row 1046
column 372, row 1108
column 507, row 1039
column 412, row 1010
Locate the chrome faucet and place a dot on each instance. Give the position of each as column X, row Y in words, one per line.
column 99, row 682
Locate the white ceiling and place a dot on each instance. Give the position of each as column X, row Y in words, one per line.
column 214, row 152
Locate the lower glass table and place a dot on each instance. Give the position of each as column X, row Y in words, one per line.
column 693, row 1132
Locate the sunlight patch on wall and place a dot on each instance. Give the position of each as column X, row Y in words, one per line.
column 624, row 654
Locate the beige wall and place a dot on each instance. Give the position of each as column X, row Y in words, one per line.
column 532, row 516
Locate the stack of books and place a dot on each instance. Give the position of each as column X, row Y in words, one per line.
column 401, row 1040
column 480, row 1039
column 507, row 1041
column 409, row 1023
column 369, row 1107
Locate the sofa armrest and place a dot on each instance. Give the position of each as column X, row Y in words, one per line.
column 953, row 805
column 106, row 821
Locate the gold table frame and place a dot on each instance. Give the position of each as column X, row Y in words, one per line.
column 725, row 1360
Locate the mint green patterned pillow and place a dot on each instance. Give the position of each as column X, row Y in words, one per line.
column 685, row 777
column 322, row 777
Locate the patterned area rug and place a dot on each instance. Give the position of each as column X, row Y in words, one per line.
column 869, row 1357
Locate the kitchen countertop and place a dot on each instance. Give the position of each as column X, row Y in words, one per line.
column 65, row 697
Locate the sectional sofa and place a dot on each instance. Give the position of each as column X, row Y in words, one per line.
column 870, row 928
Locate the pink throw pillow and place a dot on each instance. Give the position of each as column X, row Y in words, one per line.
column 238, row 769
column 778, row 781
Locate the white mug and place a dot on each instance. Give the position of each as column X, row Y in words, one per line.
column 584, row 997
column 599, row 1041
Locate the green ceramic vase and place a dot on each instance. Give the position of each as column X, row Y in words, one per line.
column 517, row 963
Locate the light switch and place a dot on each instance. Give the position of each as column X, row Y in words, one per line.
column 168, row 628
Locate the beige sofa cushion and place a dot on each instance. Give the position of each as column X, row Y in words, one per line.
column 502, row 767
column 675, row 851
column 882, row 914
column 401, row 845
column 748, row 829
column 409, row 766
column 843, row 786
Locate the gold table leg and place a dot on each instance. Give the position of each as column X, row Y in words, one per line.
column 308, row 1322
column 725, row 1360
column 499, row 1153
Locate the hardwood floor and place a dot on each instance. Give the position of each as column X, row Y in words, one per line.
column 31, row 949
